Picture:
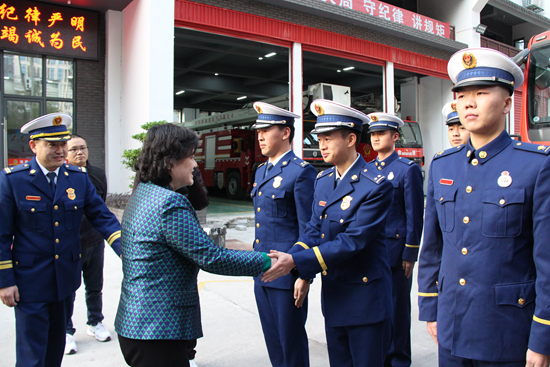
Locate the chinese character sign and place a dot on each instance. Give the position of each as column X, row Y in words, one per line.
column 49, row 29
column 395, row 14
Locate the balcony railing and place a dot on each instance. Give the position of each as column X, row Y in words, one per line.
column 511, row 51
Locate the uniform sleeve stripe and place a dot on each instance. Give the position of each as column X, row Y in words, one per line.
column 6, row 266
column 113, row 237
column 542, row 321
column 5, row 262
column 412, row 246
column 302, row 244
column 428, row 294
column 320, row 258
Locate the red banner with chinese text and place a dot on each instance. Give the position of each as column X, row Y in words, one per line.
column 49, row 29
column 396, row 15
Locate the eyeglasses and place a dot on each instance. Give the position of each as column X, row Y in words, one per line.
column 76, row 150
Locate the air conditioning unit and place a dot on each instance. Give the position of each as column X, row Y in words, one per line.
column 336, row 93
column 534, row 5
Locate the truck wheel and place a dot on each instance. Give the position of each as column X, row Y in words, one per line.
column 233, row 186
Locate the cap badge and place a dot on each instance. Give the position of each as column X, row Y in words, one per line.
column 346, row 202
column 469, row 60
column 277, row 181
column 57, row 120
column 505, row 179
column 70, row 194
column 391, row 176
column 258, row 109
column 374, row 118
column 453, row 106
column 319, row 109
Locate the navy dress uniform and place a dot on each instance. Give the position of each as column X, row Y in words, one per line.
column 484, row 268
column 282, row 200
column 403, row 232
column 43, row 225
column 345, row 241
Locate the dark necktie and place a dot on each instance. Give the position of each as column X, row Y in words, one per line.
column 268, row 168
column 337, row 182
column 51, row 176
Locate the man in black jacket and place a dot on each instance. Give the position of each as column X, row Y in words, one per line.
column 93, row 251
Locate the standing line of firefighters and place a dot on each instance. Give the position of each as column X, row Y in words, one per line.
column 484, row 263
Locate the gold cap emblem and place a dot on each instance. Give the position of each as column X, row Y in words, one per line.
column 258, row 109
column 469, row 60
column 453, row 106
column 319, row 109
column 374, row 118
column 57, row 120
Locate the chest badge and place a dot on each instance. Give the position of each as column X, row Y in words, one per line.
column 346, row 202
column 70, row 194
column 505, row 179
column 445, row 181
column 277, row 181
column 391, row 176
column 322, row 203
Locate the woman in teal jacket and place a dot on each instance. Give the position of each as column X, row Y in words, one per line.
column 163, row 248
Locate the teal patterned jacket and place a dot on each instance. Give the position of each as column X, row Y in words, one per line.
column 163, row 247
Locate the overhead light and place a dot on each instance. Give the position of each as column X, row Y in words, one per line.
column 69, row 77
column 216, row 74
column 6, row 77
column 481, row 28
column 271, row 54
column 243, row 97
column 180, row 92
column 338, row 71
column 260, row 58
column 349, row 68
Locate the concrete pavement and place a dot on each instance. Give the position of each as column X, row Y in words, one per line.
column 232, row 330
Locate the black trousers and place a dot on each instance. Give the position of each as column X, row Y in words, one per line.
column 154, row 353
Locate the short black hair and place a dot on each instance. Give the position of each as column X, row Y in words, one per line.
column 346, row 131
column 164, row 145
column 282, row 127
column 74, row 136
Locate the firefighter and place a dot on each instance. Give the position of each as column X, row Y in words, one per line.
column 457, row 133
column 282, row 194
column 484, row 274
column 345, row 242
column 403, row 227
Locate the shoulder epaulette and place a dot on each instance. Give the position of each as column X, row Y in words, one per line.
column 70, row 167
column 406, row 161
column 325, row 172
column 373, row 175
column 261, row 164
column 542, row 149
column 18, row 168
column 300, row 162
column 449, row 151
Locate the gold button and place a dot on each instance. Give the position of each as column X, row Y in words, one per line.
column 466, row 220
column 284, row 162
column 322, row 235
column 383, row 163
column 502, row 201
column 56, row 224
column 469, row 189
column 464, row 251
column 32, row 210
column 320, row 217
column 518, row 144
column 325, row 216
column 462, row 281
column 474, row 162
column 55, row 207
column 521, row 301
column 341, row 221
column 365, row 279
column 397, row 235
column 257, row 225
column 376, row 163
column 324, row 272
column 483, row 154
column 273, row 196
column 57, row 240
column 257, row 241
column 436, row 283
column 469, row 153
column 17, row 263
column 441, row 199
column 379, row 168
column 56, row 257
column 258, row 209
column 75, row 207
column 79, row 255
column 260, row 193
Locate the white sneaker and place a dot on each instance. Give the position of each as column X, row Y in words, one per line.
column 192, row 363
column 70, row 344
column 100, row 332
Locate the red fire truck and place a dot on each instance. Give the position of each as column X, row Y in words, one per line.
column 229, row 153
